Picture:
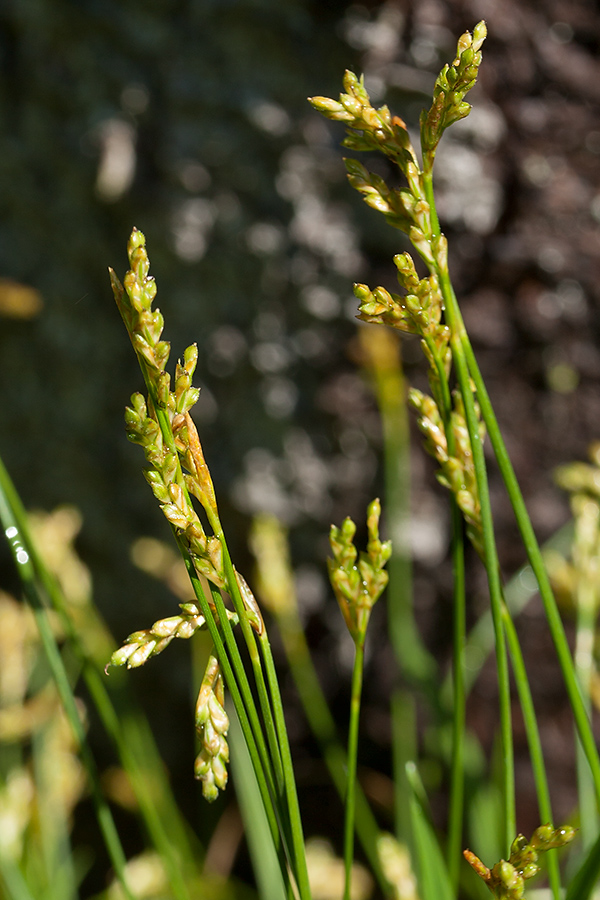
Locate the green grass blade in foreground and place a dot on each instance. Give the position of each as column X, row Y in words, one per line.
column 457, row 769
column 27, row 576
column 585, row 668
column 537, row 564
column 14, row 883
column 587, row 878
column 262, row 853
column 53, row 824
column 434, row 880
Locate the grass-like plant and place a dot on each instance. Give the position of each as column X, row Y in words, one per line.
column 455, row 420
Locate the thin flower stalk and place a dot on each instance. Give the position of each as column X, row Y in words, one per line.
column 278, row 595
column 535, row 557
column 533, row 741
column 490, row 555
column 357, row 587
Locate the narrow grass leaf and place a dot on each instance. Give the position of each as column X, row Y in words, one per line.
column 434, row 880
column 14, row 883
column 262, row 852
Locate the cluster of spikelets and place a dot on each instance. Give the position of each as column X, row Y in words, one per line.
column 419, row 310
column 162, row 426
column 457, row 470
column 506, row 879
column 376, row 129
column 357, row 587
column 371, row 129
column 166, row 448
column 212, row 725
column 141, row 645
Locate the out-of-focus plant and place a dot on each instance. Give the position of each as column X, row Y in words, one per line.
column 577, row 584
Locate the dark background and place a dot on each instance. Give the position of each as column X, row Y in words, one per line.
column 190, row 121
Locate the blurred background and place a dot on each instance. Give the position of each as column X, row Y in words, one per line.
column 189, row 120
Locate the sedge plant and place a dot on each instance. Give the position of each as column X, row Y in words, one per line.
column 455, row 418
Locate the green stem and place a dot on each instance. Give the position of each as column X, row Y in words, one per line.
column 518, row 591
column 250, row 639
column 246, row 710
column 246, row 693
column 289, row 816
column 534, row 555
column 454, row 321
column 457, row 771
column 357, row 677
column 533, row 740
column 293, row 807
column 272, row 793
column 323, row 727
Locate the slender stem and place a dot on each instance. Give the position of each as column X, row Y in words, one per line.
column 456, row 326
column 322, row 725
column 245, row 712
column 357, row 677
column 289, row 816
column 457, row 771
column 293, row 807
column 582, row 720
column 249, row 637
column 518, row 591
column 272, row 794
column 533, row 740
column 246, row 693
